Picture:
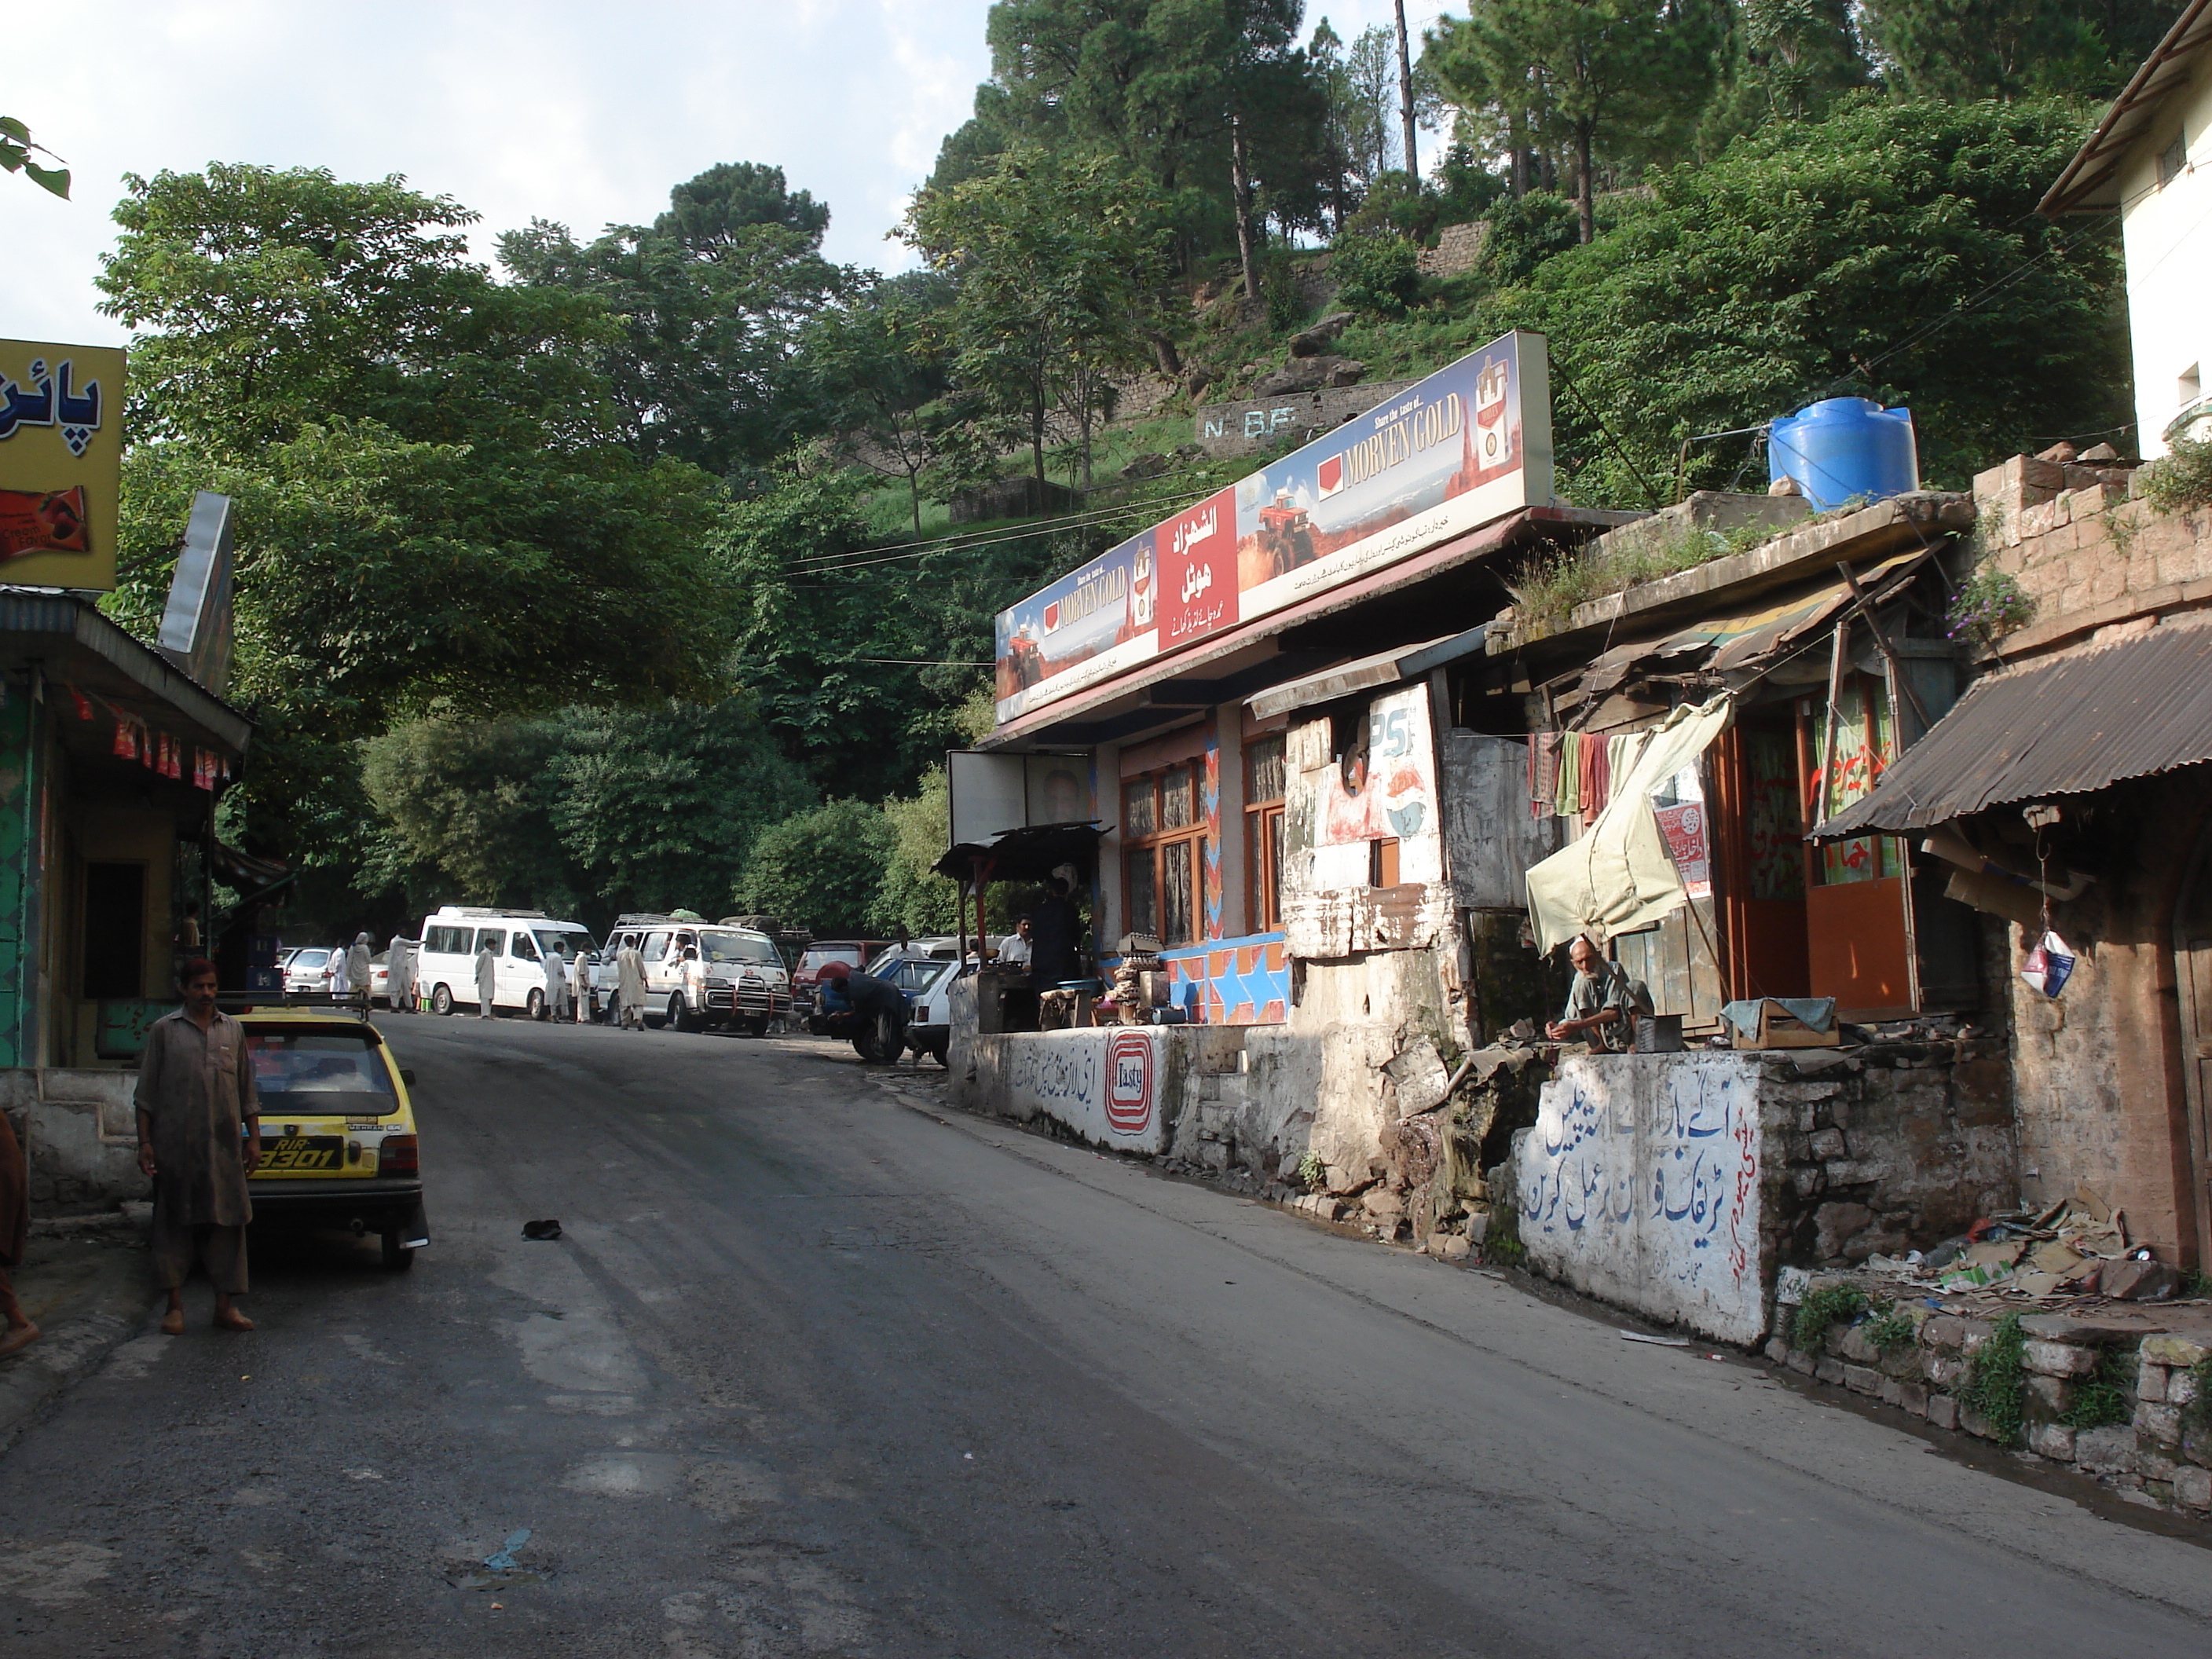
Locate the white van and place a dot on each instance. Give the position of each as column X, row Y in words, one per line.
column 445, row 969
column 739, row 980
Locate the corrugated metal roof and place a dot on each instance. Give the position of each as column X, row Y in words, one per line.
column 2063, row 727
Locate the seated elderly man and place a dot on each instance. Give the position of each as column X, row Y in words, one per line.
column 1600, row 1008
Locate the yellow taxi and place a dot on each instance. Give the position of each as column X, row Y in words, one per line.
column 338, row 1146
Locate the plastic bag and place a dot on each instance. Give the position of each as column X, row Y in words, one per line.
column 2049, row 965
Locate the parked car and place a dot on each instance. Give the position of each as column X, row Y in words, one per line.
column 929, row 1021
column 912, row 968
column 854, row 953
column 739, row 981
column 338, row 1141
column 446, row 970
column 309, row 968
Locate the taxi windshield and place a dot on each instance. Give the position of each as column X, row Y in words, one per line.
column 319, row 1073
column 735, row 947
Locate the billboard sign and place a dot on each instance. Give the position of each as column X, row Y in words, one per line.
column 61, row 463
column 1466, row 446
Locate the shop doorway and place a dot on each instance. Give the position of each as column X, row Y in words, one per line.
column 2192, row 978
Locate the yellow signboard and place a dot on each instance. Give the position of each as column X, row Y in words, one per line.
column 61, row 463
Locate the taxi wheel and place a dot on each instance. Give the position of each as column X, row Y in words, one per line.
column 396, row 1256
column 441, row 1000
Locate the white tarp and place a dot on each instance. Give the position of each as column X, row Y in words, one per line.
column 1619, row 877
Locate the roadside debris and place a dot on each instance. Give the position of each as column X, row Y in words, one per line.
column 541, row 1230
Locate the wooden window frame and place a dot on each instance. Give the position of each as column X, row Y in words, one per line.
column 1159, row 845
column 1263, row 838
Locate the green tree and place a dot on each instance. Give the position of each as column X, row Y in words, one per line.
column 1060, row 262
column 16, row 150
column 1891, row 251
column 1600, row 79
column 1154, row 83
column 659, row 805
column 266, row 299
column 1787, row 60
column 821, row 869
column 1965, row 49
column 430, row 512
column 710, row 303
column 468, row 804
column 878, row 366
column 912, row 896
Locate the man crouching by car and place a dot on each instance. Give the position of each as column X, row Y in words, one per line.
column 871, row 1011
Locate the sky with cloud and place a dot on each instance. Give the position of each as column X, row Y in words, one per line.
column 584, row 114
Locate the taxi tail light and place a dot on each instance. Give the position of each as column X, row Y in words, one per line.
column 398, row 1155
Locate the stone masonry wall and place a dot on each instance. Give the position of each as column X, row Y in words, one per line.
column 1889, row 1148
column 2090, row 554
column 2161, row 1447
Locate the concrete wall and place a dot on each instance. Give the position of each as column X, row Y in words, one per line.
column 2167, row 231
column 1642, row 1183
column 1128, row 1088
column 82, row 1140
column 2096, row 1074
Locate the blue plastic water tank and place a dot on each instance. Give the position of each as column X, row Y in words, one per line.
column 1844, row 447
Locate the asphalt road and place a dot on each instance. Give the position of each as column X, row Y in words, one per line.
column 821, row 1368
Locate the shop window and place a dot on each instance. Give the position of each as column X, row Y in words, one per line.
column 1164, row 859
column 1383, row 862
column 1865, row 740
column 1263, row 831
column 115, row 930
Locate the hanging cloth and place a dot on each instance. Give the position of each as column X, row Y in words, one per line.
column 1566, row 788
column 1596, row 775
column 1619, row 877
column 1543, row 771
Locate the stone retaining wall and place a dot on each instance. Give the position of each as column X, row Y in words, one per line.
column 2163, row 1451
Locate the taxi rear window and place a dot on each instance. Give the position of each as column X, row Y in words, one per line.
column 320, row 1074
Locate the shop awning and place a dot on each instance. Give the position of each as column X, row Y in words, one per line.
column 1029, row 854
column 1745, row 643
column 2065, row 726
column 1393, row 667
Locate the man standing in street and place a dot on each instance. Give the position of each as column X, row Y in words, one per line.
column 629, row 987
column 556, row 983
column 487, row 975
column 357, row 966
column 199, row 1137
column 399, row 982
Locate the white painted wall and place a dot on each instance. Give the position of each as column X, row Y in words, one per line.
column 1640, row 1185
column 2168, row 233
column 1110, row 1086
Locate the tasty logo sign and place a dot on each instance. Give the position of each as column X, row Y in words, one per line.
column 1129, row 1083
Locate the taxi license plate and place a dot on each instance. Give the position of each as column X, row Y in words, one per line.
column 302, row 1155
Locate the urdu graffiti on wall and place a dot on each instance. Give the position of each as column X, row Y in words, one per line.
column 1643, row 1170
column 1105, row 1084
